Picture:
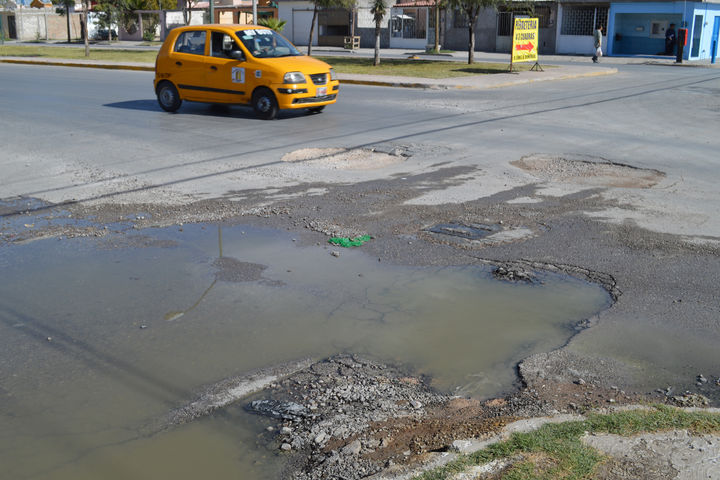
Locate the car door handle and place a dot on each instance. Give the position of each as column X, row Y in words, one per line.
column 179, row 64
column 213, row 68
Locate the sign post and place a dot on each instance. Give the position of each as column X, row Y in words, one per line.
column 525, row 42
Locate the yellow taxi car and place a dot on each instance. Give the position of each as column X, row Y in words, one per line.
column 240, row 64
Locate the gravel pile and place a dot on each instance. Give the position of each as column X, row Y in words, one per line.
column 325, row 415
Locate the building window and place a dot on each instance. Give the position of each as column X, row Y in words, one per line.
column 334, row 22
column 506, row 17
column 505, row 24
column 581, row 20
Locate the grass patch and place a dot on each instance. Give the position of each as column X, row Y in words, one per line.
column 418, row 68
column 395, row 67
column 78, row 53
column 437, row 52
column 554, row 451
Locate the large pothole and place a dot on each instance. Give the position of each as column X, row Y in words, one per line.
column 588, row 170
column 346, row 159
column 479, row 234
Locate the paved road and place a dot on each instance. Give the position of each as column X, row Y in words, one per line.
column 98, row 136
column 101, row 132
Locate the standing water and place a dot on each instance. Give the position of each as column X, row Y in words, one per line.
column 101, row 338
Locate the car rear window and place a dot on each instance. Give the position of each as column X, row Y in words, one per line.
column 191, row 42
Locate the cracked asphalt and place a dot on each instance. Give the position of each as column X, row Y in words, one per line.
column 112, row 152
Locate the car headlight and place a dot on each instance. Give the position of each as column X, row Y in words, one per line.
column 333, row 75
column 294, row 77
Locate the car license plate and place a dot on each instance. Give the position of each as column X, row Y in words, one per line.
column 321, row 92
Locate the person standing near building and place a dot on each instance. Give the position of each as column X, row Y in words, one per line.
column 597, row 41
column 670, row 40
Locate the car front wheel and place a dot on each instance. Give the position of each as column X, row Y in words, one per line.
column 264, row 103
column 168, row 97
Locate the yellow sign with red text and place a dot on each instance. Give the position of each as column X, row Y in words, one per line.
column 525, row 40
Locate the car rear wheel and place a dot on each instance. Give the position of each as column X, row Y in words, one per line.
column 316, row 109
column 168, row 97
column 264, row 103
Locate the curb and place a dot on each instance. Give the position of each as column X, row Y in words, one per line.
column 570, row 76
column 346, row 81
column 108, row 66
column 377, row 83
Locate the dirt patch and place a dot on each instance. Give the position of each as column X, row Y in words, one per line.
column 351, row 417
column 345, row 159
column 587, row 170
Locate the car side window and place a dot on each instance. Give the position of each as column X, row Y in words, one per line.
column 221, row 44
column 191, row 42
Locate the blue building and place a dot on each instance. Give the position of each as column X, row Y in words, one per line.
column 638, row 28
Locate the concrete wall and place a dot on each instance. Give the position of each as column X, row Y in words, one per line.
column 485, row 32
column 34, row 24
column 365, row 29
column 627, row 17
column 632, row 32
column 298, row 16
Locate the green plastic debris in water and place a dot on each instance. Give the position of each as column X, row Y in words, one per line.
column 350, row 242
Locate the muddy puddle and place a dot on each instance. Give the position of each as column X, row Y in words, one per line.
column 101, row 337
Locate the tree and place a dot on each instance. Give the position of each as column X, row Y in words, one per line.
column 472, row 9
column 378, row 10
column 127, row 18
column 272, row 22
column 62, row 7
column 188, row 5
column 107, row 12
column 86, row 9
column 325, row 4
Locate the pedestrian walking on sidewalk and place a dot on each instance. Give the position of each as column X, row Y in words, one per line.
column 597, row 38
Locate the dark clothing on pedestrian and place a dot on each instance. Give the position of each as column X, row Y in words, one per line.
column 670, row 40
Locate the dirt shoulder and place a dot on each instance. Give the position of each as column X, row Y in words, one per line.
column 349, row 416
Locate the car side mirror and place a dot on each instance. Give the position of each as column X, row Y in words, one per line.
column 237, row 55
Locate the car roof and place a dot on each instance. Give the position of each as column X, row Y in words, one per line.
column 221, row 26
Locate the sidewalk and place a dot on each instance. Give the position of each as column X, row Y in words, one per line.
column 470, row 82
column 556, row 67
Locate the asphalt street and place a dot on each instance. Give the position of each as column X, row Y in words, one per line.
column 77, row 122
column 84, row 137
column 611, row 179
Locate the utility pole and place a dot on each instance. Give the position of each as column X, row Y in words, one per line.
column 254, row 4
column 212, row 11
column 437, row 26
column 86, row 4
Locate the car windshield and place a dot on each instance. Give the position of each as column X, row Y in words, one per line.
column 263, row 43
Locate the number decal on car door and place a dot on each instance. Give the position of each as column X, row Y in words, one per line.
column 238, row 75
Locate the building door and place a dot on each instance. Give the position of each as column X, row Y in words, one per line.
column 12, row 31
column 301, row 21
column 715, row 40
column 696, row 34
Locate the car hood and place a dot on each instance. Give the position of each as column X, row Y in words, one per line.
column 303, row 64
